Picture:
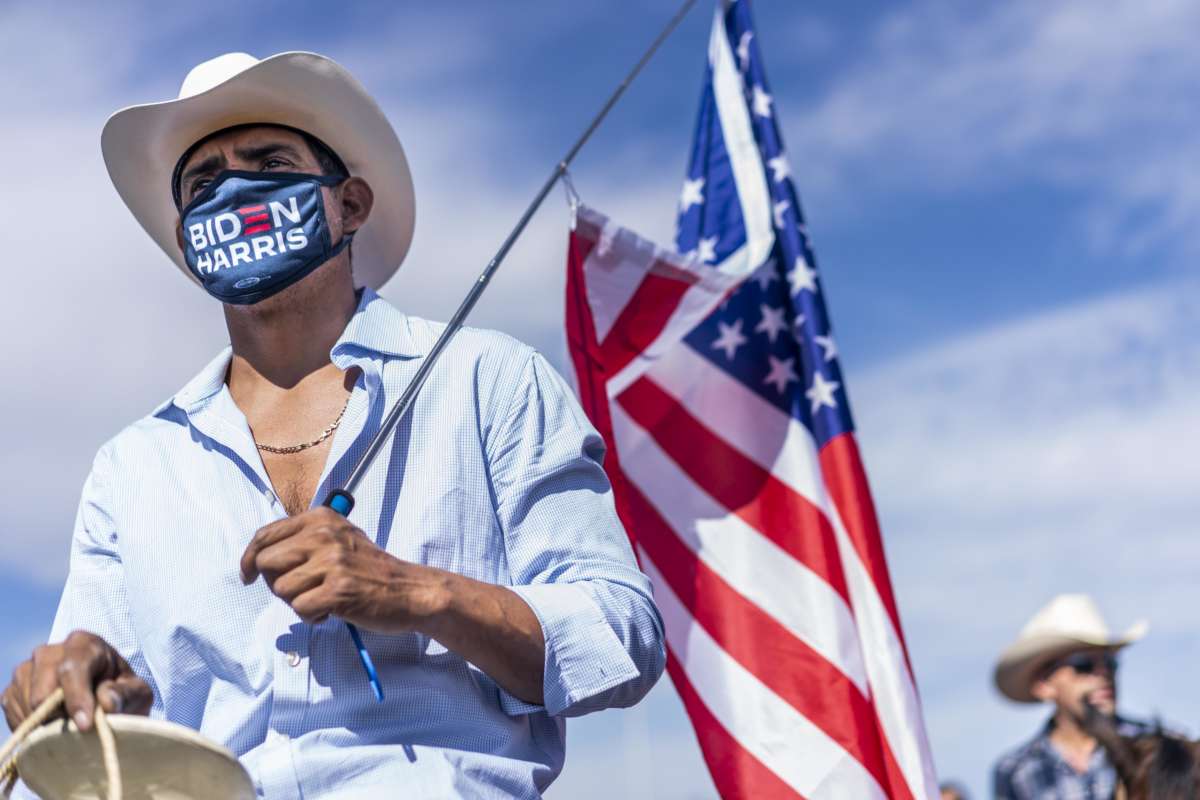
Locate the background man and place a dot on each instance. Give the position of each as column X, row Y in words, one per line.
column 483, row 561
column 1064, row 655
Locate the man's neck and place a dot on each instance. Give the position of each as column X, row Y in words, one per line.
column 1071, row 739
column 283, row 343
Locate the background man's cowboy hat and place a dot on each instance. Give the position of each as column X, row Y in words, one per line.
column 142, row 144
column 1068, row 623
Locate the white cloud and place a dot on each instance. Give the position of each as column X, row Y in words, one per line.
column 1071, row 94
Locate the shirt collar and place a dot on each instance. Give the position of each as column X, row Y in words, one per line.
column 377, row 327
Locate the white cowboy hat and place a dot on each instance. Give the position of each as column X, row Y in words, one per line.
column 142, row 144
column 1067, row 623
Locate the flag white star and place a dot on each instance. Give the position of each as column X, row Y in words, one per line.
column 781, row 374
column 761, row 102
column 692, row 194
column 821, row 392
column 743, row 50
column 708, row 250
column 828, row 345
column 802, row 276
column 765, row 274
column 730, row 338
column 780, row 209
column 772, row 323
column 780, row 168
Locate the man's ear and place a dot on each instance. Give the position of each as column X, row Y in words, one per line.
column 357, row 200
column 1043, row 691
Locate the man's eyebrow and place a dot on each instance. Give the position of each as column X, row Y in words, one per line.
column 262, row 151
column 210, row 164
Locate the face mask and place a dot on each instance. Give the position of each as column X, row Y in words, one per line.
column 249, row 235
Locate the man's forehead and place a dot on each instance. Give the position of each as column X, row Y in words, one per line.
column 246, row 137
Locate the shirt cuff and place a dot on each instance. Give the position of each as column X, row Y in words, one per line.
column 584, row 657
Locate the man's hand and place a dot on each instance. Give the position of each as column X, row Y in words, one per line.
column 88, row 669
column 322, row 565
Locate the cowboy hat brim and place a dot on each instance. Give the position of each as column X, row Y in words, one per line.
column 157, row 759
column 1023, row 660
column 141, row 145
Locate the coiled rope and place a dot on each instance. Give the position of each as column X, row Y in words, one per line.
column 47, row 709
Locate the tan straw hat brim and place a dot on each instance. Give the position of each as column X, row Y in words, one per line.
column 141, row 145
column 158, row 760
column 1022, row 661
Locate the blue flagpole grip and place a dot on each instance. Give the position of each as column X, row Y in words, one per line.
column 342, row 502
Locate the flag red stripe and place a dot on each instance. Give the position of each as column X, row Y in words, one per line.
column 735, row 771
column 589, row 369
column 581, row 343
column 898, row 788
column 752, row 493
column 846, row 481
column 256, row 229
column 641, row 321
column 795, row 672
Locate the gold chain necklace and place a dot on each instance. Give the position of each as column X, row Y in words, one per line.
column 296, row 448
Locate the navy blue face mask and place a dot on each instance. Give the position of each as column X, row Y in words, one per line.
column 249, row 235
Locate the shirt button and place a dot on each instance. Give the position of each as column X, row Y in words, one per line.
column 293, row 659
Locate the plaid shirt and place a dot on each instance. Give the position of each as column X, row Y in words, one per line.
column 1037, row 771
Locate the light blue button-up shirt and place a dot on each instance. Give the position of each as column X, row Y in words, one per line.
column 495, row 474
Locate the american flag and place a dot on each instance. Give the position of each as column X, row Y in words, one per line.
column 713, row 374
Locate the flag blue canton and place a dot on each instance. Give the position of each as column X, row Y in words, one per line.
column 773, row 333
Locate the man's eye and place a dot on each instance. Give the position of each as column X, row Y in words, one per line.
column 199, row 184
column 272, row 163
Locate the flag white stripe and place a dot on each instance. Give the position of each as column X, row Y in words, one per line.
column 785, row 741
column 755, row 428
column 697, row 303
column 745, row 160
column 892, row 688
column 751, row 563
column 744, row 420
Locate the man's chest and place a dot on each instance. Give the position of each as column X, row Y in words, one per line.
column 295, row 475
column 184, row 522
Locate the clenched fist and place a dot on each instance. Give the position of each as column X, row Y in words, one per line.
column 88, row 669
column 321, row 565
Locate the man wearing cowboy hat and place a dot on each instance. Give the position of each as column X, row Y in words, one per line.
column 1064, row 656
column 483, row 562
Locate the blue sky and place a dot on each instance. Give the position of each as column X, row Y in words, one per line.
column 1003, row 205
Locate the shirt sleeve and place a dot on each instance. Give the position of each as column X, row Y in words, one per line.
column 568, row 555
column 94, row 598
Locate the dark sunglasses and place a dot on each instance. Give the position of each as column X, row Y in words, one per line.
column 1084, row 664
